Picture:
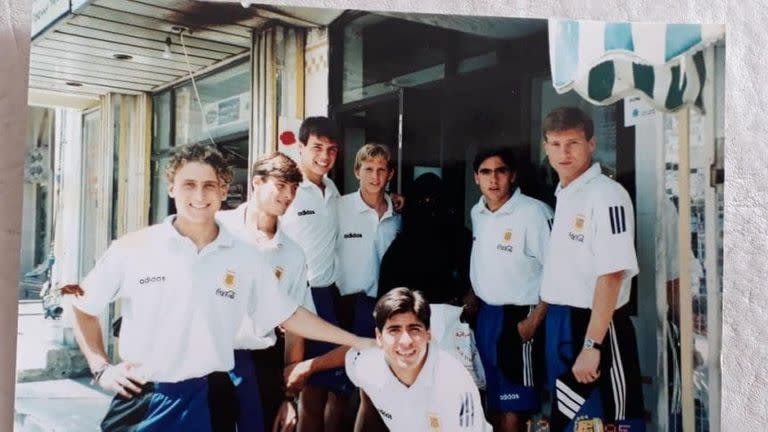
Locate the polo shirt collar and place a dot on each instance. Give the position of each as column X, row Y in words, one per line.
column 504, row 209
column 241, row 213
column 223, row 239
column 581, row 180
column 426, row 377
column 330, row 187
column 361, row 206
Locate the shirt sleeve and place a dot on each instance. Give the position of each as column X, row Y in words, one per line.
column 104, row 282
column 351, row 363
column 468, row 407
column 268, row 306
column 301, row 291
column 541, row 228
column 614, row 230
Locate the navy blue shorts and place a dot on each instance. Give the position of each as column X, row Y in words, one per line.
column 512, row 368
column 162, row 407
column 327, row 303
column 357, row 314
column 615, row 400
column 250, row 416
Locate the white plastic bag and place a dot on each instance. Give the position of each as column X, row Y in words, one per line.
column 457, row 338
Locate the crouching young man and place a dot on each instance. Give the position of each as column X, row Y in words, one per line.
column 185, row 284
column 414, row 386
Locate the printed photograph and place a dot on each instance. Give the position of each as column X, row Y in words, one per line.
column 248, row 217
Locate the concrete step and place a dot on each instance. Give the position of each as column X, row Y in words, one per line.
column 70, row 405
column 46, row 349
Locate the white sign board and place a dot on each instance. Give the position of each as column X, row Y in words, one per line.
column 635, row 108
column 45, row 12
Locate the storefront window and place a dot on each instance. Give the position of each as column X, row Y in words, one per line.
column 225, row 100
column 222, row 117
column 382, row 53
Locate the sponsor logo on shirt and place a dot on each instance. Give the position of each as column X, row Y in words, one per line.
column 306, row 212
column 229, row 284
column 434, row 422
column 279, row 272
column 509, row 396
column 385, row 414
column 578, row 227
column 151, row 279
column 506, row 240
column 352, row 235
column 505, row 248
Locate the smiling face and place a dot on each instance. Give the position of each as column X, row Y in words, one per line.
column 569, row 153
column 197, row 192
column 317, row 157
column 273, row 195
column 374, row 174
column 495, row 179
column 404, row 340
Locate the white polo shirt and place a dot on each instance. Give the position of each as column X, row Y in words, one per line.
column 286, row 259
column 311, row 221
column 443, row 397
column 363, row 239
column 182, row 308
column 508, row 250
column 593, row 234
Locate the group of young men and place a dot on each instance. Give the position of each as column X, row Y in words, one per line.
column 216, row 303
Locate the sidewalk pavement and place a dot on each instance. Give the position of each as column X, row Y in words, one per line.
column 52, row 392
column 67, row 405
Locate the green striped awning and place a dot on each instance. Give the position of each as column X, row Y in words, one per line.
column 605, row 62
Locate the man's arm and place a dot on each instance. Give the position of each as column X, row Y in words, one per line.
column 294, row 348
column 118, row 378
column 88, row 334
column 296, row 374
column 310, row 326
column 527, row 327
column 603, row 304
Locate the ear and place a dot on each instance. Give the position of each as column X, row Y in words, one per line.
column 477, row 179
column 391, row 174
column 429, row 335
column 170, row 190
column 379, row 342
column 255, row 182
column 357, row 173
column 513, row 177
column 592, row 144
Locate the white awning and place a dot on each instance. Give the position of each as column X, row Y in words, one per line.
column 605, row 61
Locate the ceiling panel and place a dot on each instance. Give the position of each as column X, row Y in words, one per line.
column 81, row 47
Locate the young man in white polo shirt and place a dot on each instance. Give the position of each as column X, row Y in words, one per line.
column 511, row 233
column 260, row 358
column 414, row 386
column 185, row 284
column 368, row 224
column 591, row 348
column 312, row 222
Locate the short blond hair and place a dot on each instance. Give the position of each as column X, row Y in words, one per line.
column 372, row 151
